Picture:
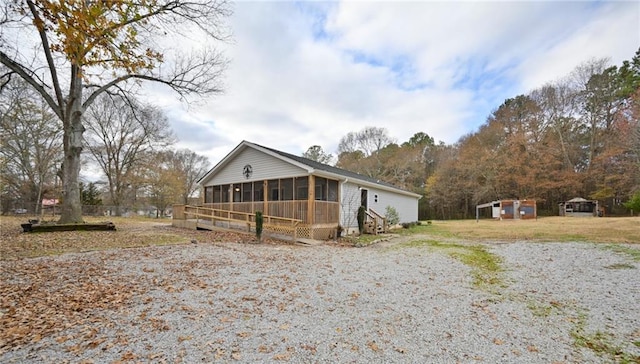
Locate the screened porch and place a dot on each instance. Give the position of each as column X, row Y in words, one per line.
column 283, row 197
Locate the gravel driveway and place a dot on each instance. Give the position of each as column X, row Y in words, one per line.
column 557, row 303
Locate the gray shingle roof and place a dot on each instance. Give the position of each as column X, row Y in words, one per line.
column 331, row 169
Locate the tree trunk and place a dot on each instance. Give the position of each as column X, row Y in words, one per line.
column 38, row 206
column 73, row 129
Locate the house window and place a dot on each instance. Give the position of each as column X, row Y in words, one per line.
column 273, row 186
column 333, row 190
column 321, row 189
column 216, row 194
column 246, row 192
column 237, row 192
column 224, row 193
column 302, row 188
column 208, row 194
column 258, row 191
column 286, row 189
column 326, row 189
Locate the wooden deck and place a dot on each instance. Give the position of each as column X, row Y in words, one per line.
column 198, row 217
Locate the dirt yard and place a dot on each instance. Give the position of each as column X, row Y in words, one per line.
column 147, row 293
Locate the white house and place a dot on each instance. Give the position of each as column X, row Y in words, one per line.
column 257, row 178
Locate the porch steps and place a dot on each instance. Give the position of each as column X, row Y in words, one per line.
column 370, row 228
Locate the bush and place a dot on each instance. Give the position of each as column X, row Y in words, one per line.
column 361, row 213
column 408, row 225
column 634, row 203
column 259, row 221
column 392, row 215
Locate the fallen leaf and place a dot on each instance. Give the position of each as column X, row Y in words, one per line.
column 283, row 357
column 235, row 355
column 373, row 346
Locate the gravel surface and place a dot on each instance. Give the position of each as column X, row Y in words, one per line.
column 383, row 303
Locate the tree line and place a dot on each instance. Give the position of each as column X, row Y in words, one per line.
column 575, row 137
column 130, row 142
column 72, row 53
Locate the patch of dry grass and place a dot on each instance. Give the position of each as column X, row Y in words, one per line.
column 556, row 228
column 130, row 233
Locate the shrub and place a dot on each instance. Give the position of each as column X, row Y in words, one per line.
column 634, row 203
column 361, row 213
column 408, row 225
column 259, row 221
column 392, row 215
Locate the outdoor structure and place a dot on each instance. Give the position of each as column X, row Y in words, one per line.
column 296, row 195
column 578, row 207
column 510, row 209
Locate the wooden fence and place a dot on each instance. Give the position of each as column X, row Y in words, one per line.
column 208, row 217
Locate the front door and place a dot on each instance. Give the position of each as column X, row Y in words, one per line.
column 363, row 198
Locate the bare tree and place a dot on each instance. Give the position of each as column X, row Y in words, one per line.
column 316, row 153
column 369, row 140
column 119, row 134
column 191, row 167
column 108, row 46
column 162, row 181
column 360, row 151
column 30, row 145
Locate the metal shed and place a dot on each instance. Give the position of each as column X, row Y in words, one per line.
column 510, row 209
column 578, row 207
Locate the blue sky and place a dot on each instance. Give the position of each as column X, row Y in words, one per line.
column 305, row 73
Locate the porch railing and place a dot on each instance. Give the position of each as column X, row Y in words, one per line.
column 208, row 216
column 272, row 224
column 325, row 212
column 379, row 221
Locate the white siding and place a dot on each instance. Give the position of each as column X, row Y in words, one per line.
column 264, row 167
column 406, row 206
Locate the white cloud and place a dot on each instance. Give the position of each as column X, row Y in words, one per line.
column 308, row 73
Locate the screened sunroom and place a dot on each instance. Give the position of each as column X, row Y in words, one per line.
column 282, row 197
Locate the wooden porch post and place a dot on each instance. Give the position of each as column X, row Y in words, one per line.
column 311, row 200
column 265, row 195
